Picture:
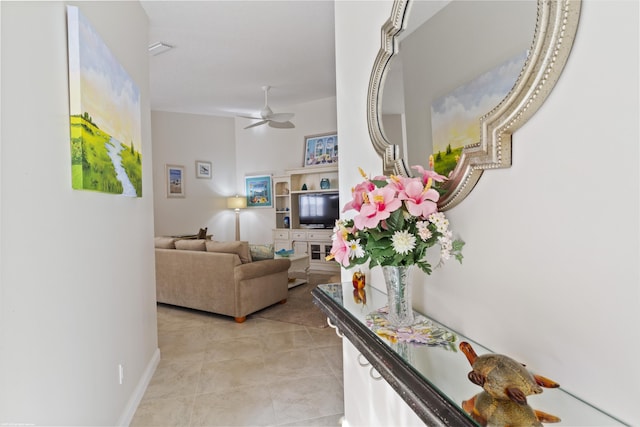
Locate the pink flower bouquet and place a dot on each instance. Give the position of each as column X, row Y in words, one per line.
column 397, row 220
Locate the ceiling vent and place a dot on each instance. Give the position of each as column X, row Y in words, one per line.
column 158, row 48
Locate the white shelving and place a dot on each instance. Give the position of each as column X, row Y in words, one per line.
column 315, row 242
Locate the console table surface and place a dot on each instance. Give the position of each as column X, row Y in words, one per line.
column 433, row 379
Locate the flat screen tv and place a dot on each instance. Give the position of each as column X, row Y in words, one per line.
column 318, row 210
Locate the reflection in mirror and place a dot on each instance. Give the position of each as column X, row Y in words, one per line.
column 456, row 78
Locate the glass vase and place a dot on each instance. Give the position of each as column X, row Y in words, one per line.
column 398, row 295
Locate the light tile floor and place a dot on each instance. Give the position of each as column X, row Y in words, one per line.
column 215, row 372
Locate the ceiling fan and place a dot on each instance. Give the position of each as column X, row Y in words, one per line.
column 267, row 116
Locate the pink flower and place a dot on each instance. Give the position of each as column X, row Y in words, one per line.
column 426, row 174
column 358, row 195
column 340, row 247
column 378, row 206
column 419, row 200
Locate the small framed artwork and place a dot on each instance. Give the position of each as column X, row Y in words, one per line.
column 175, row 181
column 258, row 190
column 321, row 150
column 203, row 169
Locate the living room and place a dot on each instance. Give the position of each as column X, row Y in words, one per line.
column 77, row 288
column 234, row 153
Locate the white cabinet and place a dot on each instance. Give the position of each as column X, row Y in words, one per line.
column 368, row 399
column 281, row 239
column 317, row 244
column 299, row 242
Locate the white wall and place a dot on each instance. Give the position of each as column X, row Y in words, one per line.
column 269, row 151
column 181, row 139
column 551, row 273
column 235, row 153
column 77, row 281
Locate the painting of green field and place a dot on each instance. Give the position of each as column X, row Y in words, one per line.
column 105, row 124
column 455, row 117
column 91, row 166
column 445, row 161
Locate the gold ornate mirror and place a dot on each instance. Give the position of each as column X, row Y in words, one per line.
column 463, row 43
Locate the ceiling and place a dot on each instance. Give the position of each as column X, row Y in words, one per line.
column 226, row 51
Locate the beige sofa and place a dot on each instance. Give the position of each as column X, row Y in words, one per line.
column 218, row 277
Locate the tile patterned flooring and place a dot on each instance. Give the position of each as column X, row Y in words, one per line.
column 215, row 372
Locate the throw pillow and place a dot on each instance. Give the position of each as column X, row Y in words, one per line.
column 191, row 245
column 238, row 247
column 260, row 252
column 162, row 242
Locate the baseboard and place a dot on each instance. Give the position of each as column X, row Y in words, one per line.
column 138, row 393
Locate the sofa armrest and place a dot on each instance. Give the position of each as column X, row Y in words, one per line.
column 261, row 268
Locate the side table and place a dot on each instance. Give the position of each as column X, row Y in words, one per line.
column 299, row 266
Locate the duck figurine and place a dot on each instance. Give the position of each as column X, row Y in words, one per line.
column 502, row 377
column 491, row 412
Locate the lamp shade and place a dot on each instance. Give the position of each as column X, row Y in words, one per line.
column 236, row 202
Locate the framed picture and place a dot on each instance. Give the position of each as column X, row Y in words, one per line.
column 258, row 190
column 175, row 181
column 321, row 150
column 203, row 169
column 105, row 122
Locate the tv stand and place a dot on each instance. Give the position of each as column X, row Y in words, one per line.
column 314, row 226
column 312, row 239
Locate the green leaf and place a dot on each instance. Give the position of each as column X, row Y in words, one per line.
column 424, row 266
column 377, row 234
column 396, row 220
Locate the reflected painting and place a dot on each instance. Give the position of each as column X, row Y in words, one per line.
column 106, row 138
column 455, row 116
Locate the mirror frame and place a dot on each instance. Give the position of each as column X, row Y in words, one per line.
column 555, row 30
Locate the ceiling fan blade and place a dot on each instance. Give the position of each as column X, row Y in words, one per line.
column 281, row 117
column 281, row 125
column 250, row 117
column 261, row 122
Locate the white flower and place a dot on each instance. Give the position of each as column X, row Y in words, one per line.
column 441, row 222
column 355, row 249
column 403, row 242
column 423, row 230
column 445, row 243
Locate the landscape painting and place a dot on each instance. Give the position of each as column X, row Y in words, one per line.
column 104, row 106
column 455, row 118
column 258, row 190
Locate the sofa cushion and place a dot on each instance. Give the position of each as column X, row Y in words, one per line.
column 191, row 245
column 261, row 252
column 240, row 248
column 163, row 242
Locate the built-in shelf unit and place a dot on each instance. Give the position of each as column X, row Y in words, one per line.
column 288, row 232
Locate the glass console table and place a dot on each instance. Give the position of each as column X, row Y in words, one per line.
column 432, row 379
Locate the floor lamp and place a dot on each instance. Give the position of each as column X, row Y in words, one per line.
column 236, row 203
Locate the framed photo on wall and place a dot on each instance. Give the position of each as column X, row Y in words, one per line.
column 321, row 150
column 203, row 169
column 175, row 181
column 258, row 190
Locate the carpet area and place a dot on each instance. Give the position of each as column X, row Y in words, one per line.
column 299, row 308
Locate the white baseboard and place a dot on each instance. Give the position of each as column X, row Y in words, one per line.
column 138, row 393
